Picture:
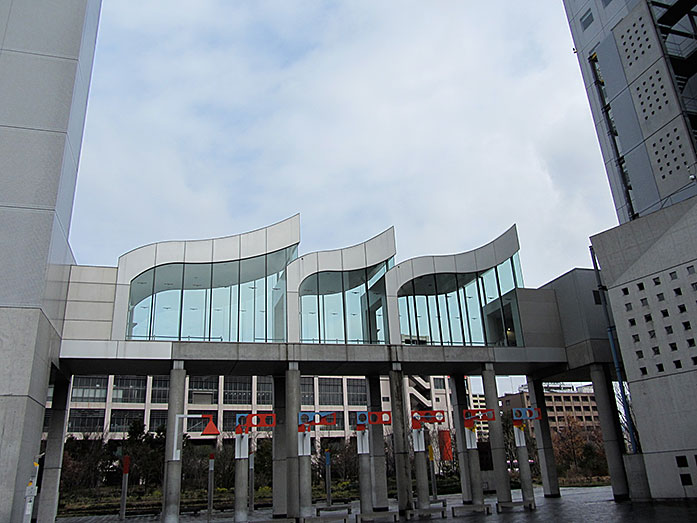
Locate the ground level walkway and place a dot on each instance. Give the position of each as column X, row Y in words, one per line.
column 583, row 505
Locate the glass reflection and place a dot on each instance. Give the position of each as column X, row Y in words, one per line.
column 461, row 309
column 344, row 307
column 223, row 301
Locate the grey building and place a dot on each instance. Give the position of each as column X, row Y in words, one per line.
column 46, row 52
column 638, row 60
column 638, row 63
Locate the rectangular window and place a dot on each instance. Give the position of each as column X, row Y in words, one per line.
column 643, row 371
column 660, row 296
column 690, row 269
column 586, row 20
column 439, row 383
column 657, row 281
column 678, row 364
column 669, row 330
column 682, row 309
column 664, row 313
column 678, row 291
column 640, row 286
column 160, row 389
column 656, row 351
column 129, row 389
column 606, row 3
column 86, row 420
column 596, row 298
column 237, row 390
column 686, row 325
column 690, row 342
column 639, row 354
column 673, row 346
column 89, row 388
column 203, row 390
column 330, row 391
column 628, row 307
column 659, row 367
column 673, row 275
column 632, row 322
column 625, row 291
column 647, row 318
column 265, row 390
column 158, row 420
column 121, row 419
column 356, row 392
column 307, row 390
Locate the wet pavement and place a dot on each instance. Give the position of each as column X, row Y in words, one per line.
column 584, row 505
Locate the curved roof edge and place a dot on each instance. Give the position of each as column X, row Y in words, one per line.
column 280, row 235
column 480, row 259
column 377, row 249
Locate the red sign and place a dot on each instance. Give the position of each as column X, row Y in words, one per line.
column 244, row 422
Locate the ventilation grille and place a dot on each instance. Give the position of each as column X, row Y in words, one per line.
column 635, row 41
column 668, row 151
column 651, row 94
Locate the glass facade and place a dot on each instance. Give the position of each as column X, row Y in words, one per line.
column 241, row 300
column 121, row 419
column 89, row 388
column 344, row 307
column 462, row 309
column 86, row 420
column 237, row 390
column 129, row 389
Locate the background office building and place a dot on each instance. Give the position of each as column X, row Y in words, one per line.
column 638, row 60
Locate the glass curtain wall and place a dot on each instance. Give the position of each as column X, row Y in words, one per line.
column 344, row 307
column 462, row 309
column 240, row 300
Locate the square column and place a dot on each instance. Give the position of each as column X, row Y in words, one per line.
column 173, row 464
column 607, row 413
column 377, row 447
column 53, row 459
column 498, row 449
column 543, row 437
column 292, row 466
column 459, row 401
column 399, row 434
column 279, row 480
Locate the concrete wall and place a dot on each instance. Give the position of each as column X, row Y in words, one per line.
column 46, row 53
column 650, row 268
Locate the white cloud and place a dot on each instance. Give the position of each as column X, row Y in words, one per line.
column 450, row 120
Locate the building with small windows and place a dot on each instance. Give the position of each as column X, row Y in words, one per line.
column 638, row 59
column 562, row 403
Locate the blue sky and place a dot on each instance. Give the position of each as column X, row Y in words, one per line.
column 450, row 120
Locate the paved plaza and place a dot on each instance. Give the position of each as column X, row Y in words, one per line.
column 585, row 505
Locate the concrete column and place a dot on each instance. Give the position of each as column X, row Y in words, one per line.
column 459, row 402
column 292, row 410
column 475, row 477
column 525, row 475
column 498, row 450
column 53, row 459
column 173, row 467
column 365, row 483
column 607, row 412
column 401, row 450
column 241, row 490
column 543, row 437
column 377, row 448
column 421, row 471
column 279, row 480
column 305, row 473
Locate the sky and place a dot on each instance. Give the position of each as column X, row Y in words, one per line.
column 450, row 120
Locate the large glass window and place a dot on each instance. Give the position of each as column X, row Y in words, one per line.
column 462, row 309
column 231, row 301
column 265, row 390
column 129, row 389
column 225, row 301
column 121, row 419
column 86, row 420
column 307, row 390
column 237, row 390
column 344, row 307
column 160, row 389
column 198, row 424
column 203, row 390
column 330, row 391
column 89, row 388
column 158, row 420
column 196, row 302
column 356, row 392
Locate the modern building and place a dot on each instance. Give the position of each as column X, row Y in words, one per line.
column 562, row 402
column 638, row 63
column 173, row 317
